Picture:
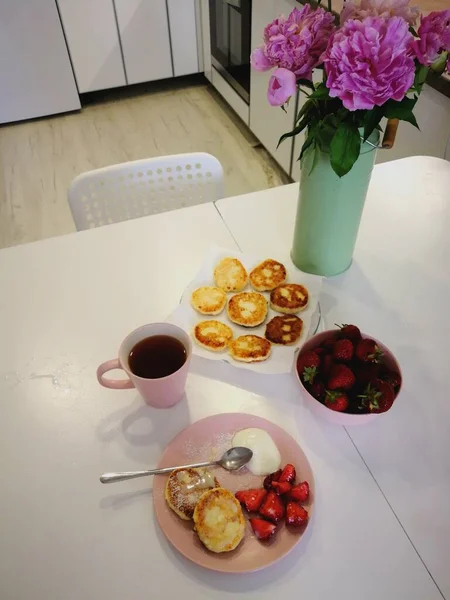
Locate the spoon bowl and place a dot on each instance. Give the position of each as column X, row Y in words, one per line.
column 235, row 458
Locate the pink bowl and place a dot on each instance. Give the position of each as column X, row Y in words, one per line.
column 323, row 411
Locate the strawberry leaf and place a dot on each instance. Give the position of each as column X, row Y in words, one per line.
column 309, row 373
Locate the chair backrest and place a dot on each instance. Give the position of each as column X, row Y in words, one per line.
column 144, row 187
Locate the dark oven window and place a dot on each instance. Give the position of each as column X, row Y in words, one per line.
column 230, row 24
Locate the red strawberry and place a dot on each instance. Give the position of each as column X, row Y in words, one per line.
column 251, row 499
column 368, row 351
column 319, row 350
column 366, row 372
column 351, row 332
column 296, row 515
column 307, row 359
column 262, row 529
column 378, row 396
column 300, row 492
column 336, row 401
column 281, row 488
column 327, row 364
column 343, row 350
column 272, row 477
column 341, row 377
column 287, row 474
column 272, row 508
column 392, row 377
column 328, row 343
column 317, row 389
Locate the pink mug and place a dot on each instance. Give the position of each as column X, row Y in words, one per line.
column 162, row 392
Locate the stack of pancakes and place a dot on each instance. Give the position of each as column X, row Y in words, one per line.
column 249, row 309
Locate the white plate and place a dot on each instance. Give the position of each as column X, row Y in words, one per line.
column 280, row 360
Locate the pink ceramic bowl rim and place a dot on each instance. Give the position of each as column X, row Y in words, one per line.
column 333, row 416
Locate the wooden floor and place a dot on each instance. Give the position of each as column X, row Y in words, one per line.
column 39, row 159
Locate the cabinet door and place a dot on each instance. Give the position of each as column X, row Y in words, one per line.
column 206, row 38
column 93, row 41
column 267, row 122
column 35, row 73
column 183, row 35
column 144, row 31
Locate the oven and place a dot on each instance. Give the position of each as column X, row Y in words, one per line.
column 230, row 27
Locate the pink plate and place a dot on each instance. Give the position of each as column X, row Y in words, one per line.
column 207, row 440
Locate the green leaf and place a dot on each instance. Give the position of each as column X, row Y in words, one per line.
column 372, row 119
column 440, row 63
column 307, row 108
column 401, row 110
column 306, row 146
column 307, row 83
column 320, row 93
column 345, row 148
column 325, row 130
column 420, row 77
column 315, row 158
column 297, row 129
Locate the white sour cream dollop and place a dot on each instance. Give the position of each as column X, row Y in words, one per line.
column 266, row 456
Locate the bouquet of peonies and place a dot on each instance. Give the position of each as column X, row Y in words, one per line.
column 374, row 65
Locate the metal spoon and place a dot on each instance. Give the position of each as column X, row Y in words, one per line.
column 232, row 460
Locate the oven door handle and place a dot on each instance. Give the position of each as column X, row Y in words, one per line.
column 234, row 3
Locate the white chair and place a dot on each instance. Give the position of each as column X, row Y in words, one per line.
column 144, row 187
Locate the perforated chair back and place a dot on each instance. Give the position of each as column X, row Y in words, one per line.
column 144, row 187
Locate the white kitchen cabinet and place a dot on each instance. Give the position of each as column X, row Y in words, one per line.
column 144, row 32
column 93, row 41
column 183, row 36
column 36, row 78
column 206, row 38
column 267, row 122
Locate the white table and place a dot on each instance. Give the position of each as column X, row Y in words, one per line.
column 66, row 304
column 398, row 289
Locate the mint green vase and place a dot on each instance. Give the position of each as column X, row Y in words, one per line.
column 329, row 212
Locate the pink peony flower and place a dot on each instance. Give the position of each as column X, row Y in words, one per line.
column 282, row 86
column 380, row 8
column 259, row 60
column 295, row 43
column 368, row 62
column 434, row 37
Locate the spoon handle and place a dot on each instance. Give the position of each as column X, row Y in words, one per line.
column 113, row 477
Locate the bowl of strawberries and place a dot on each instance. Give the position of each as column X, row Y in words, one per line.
column 347, row 377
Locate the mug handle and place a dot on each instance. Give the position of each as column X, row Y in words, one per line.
column 115, row 384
